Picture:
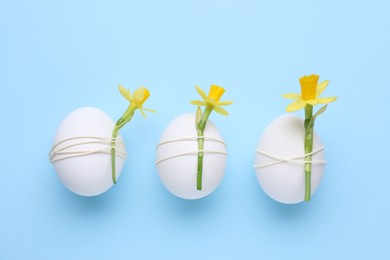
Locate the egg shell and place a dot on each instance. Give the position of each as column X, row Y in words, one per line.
column 179, row 174
column 87, row 175
column 285, row 182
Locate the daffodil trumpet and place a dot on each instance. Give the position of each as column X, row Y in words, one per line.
column 309, row 97
column 210, row 102
column 136, row 102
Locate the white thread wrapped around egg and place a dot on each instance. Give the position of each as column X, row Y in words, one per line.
column 177, row 158
column 279, row 160
column 81, row 152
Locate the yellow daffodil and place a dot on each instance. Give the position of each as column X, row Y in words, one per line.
column 136, row 102
column 310, row 92
column 138, row 99
column 212, row 99
column 211, row 102
column 309, row 97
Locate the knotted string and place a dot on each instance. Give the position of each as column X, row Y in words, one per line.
column 62, row 150
column 295, row 159
column 206, row 151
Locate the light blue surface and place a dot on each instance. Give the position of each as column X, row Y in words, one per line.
column 56, row 56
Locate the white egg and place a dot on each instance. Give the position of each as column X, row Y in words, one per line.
column 81, row 152
column 285, row 181
column 177, row 158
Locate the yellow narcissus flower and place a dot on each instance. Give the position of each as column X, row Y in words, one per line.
column 310, row 92
column 138, row 99
column 136, row 102
column 212, row 99
column 309, row 97
column 211, row 102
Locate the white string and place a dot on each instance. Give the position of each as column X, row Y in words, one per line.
column 192, row 139
column 295, row 159
column 58, row 153
column 192, row 152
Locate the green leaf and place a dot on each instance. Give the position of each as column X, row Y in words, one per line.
column 198, row 117
column 319, row 112
column 120, row 121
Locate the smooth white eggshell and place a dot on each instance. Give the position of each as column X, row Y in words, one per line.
column 179, row 175
column 285, row 182
column 87, row 175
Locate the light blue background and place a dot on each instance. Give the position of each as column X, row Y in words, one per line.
column 56, row 56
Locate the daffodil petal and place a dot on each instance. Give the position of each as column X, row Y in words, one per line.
column 142, row 112
column 211, row 101
column 225, row 103
column 292, row 96
column 125, row 93
column 321, row 87
column 198, row 103
column 149, row 110
column 326, row 100
column 312, row 102
column 201, row 92
column 221, row 111
column 294, row 106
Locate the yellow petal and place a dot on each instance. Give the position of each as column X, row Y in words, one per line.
column 141, row 95
column 321, row 87
column 125, row 93
column 216, row 92
column 221, row 111
column 312, row 102
column 309, row 86
column 294, row 106
column 211, row 101
column 325, row 100
column 225, row 103
column 201, row 92
column 292, row 96
column 198, row 103
column 142, row 112
column 149, row 110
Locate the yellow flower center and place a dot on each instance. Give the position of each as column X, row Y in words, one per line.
column 309, row 86
column 140, row 96
column 216, row 92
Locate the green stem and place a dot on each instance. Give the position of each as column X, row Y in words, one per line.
column 113, row 141
column 309, row 126
column 126, row 117
column 200, row 127
column 200, row 160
